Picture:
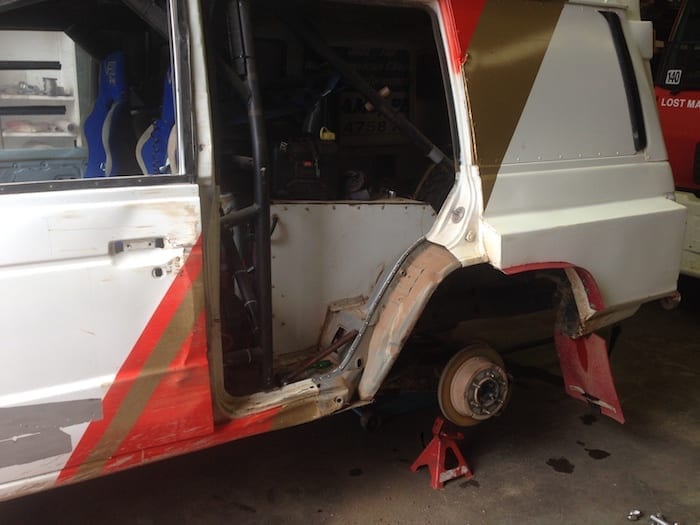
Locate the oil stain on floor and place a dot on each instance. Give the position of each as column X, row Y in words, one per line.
column 561, row 465
column 596, row 453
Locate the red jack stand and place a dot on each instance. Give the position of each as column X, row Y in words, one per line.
column 433, row 456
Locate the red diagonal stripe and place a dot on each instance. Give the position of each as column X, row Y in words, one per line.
column 134, row 362
column 179, row 409
column 460, row 18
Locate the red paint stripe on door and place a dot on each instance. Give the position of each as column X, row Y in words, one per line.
column 179, row 409
column 133, row 364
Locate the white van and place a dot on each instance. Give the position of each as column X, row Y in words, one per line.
column 227, row 217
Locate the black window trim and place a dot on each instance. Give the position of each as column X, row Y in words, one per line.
column 629, row 78
column 131, row 181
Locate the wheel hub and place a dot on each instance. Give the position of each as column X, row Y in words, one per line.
column 479, row 388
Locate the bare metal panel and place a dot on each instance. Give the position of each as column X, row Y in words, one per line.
column 323, row 252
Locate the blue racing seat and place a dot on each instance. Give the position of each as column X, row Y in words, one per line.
column 155, row 149
column 108, row 129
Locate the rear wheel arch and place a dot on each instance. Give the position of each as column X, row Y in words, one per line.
column 578, row 298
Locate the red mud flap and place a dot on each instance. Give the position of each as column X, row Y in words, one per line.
column 586, row 368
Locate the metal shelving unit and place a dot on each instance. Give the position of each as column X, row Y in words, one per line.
column 38, row 91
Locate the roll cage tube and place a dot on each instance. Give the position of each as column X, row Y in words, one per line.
column 311, row 37
column 245, row 65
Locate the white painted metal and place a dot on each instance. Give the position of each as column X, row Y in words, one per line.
column 577, row 107
column 200, row 94
column 466, row 193
column 572, row 189
column 632, row 5
column 690, row 258
column 70, row 308
column 59, row 282
column 324, row 252
column 643, row 35
column 630, row 247
column 552, row 186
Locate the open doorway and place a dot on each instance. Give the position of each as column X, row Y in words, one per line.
column 360, row 151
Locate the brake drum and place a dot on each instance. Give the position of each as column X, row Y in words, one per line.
column 473, row 386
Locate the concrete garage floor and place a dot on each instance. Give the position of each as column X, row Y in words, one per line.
column 548, row 459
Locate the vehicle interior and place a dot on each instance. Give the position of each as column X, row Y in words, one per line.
column 352, row 103
column 313, row 110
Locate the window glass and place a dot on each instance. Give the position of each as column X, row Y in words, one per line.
column 86, row 92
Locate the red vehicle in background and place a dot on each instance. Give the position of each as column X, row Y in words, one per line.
column 678, row 100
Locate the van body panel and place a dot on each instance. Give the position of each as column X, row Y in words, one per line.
column 97, row 269
column 549, row 187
